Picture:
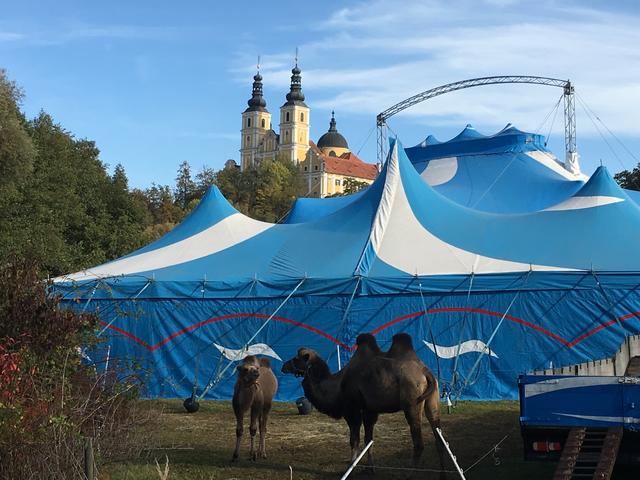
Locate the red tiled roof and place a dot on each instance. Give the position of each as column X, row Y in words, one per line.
column 350, row 165
column 347, row 164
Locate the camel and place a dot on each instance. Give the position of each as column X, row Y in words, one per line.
column 254, row 391
column 373, row 382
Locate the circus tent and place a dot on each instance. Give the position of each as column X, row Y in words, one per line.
column 486, row 294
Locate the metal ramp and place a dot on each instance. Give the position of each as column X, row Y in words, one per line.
column 589, row 453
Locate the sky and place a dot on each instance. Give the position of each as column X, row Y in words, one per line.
column 155, row 83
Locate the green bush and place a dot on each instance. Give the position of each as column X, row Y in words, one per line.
column 50, row 400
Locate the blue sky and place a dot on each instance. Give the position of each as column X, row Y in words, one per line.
column 155, row 83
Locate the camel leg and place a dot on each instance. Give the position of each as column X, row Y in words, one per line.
column 262, row 451
column 432, row 412
column 369, row 419
column 239, row 429
column 354, row 420
column 253, row 428
column 413, row 414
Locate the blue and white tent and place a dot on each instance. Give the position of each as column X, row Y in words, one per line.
column 509, row 172
column 486, row 296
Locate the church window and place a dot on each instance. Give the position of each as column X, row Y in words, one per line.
column 337, row 182
column 248, row 140
column 248, row 122
column 332, row 153
column 263, row 123
column 316, row 167
column 305, row 169
column 286, row 117
column 302, row 116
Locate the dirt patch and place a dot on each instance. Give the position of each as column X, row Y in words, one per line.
column 199, row 446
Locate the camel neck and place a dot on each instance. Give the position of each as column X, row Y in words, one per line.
column 323, row 389
column 318, row 370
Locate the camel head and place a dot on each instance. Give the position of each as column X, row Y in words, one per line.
column 299, row 364
column 249, row 371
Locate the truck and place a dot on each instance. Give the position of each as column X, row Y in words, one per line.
column 585, row 416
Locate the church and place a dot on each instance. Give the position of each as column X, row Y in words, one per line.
column 325, row 166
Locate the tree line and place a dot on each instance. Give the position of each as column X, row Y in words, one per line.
column 60, row 206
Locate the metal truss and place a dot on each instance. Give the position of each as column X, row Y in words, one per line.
column 571, row 157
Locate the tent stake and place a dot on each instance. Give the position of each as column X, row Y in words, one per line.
column 355, row 462
column 453, row 457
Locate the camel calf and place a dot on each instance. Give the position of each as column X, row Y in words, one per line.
column 254, row 391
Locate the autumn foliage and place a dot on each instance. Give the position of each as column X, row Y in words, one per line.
column 50, row 399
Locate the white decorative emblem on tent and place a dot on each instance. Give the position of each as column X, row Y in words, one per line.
column 241, row 353
column 465, row 347
column 440, row 170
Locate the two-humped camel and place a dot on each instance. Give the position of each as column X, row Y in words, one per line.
column 373, row 382
column 254, row 391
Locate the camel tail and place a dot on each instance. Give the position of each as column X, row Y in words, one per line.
column 432, row 385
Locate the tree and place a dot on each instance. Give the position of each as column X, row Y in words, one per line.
column 185, row 190
column 351, row 185
column 629, row 179
column 204, row 179
column 16, row 148
column 278, row 185
column 17, row 154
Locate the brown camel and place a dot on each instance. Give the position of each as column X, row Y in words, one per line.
column 373, row 382
column 254, row 391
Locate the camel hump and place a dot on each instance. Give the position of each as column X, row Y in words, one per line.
column 265, row 362
column 403, row 340
column 369, row 341
column 402, row 347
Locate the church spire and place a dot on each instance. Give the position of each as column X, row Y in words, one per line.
column 257, row 101
column 332, row 123
column 295, row 95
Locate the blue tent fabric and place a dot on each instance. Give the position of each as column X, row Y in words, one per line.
column 511, row 171
column 509, row 291
column 306, row 209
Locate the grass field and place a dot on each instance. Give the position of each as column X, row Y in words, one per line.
column 199, row 445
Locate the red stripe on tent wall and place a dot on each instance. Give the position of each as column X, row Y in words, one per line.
column 384, row 326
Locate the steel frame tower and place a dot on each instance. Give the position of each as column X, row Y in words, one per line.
column 571, row 153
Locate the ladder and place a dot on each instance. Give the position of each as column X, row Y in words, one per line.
column 633, row 368
column 589, row 453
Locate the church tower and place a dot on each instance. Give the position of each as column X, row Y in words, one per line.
column 256, row 122
column 294, row 121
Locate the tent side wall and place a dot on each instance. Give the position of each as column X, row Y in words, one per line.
column 176, row 342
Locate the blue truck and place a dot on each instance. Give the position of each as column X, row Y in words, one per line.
column 585, row 422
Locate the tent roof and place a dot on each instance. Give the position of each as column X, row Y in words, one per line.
column 397, row 229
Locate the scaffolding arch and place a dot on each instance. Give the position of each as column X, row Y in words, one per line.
column 571, row 154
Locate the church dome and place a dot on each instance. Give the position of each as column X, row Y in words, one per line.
column 332, row 138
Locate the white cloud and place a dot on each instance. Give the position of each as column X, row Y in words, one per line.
column 63, row 33
column 11, row 36
column 369, row 56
